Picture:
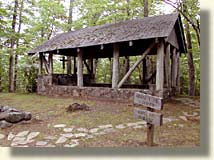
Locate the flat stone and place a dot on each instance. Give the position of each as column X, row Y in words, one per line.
column 61, row 140
column 4, row 124
column 120, row 126
column 82, row 129
column 2, row 136
column 141, row 123
column 59, row 125
column 50, row 137
column 32, row 135
column 184, row 118
column 41, row 143
column 68, row 129
column 131, row 124
column 78, row 135
column 50, row 145
column 99, row 133
column 105, row 126
column 137, row 127
column 22, row 134
column 89, row 136
column 18, row 139
column 109, row 130
column 93, row 130
column 10, row 136
column 67, row 135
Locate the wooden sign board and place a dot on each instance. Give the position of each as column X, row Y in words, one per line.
column 148, row 100
column 150, row 117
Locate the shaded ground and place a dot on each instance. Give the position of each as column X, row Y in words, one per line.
column 49, row 111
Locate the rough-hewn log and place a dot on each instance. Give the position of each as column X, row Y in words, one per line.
column 160, row 66
column 68, row 64
column 46, row 64
column 178, row 72
column 50, row 59
column 167, row 67
column 80, row 68
column 115, row 75
column 40, row 63
column 135, row 65
column 174, row 67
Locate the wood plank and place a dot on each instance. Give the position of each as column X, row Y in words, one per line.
column 80, row 68
column 150, row 117
column 115, row 75
column 148, row 100
column 135, row 65
column 160, row 66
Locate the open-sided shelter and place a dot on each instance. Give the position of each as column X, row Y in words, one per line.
column 161, row 36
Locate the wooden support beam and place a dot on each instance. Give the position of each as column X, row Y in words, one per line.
column 160, row 66
column 40, row 63
column 80, row 68
column 46, row 64
column 115, row 75
column 144, row 71
column 50, row 61
column 87, row 66
column 68, row 64
column 167, row 67
column 74, row 66
column 135, row 65
column 178, row 72
column 174, row 67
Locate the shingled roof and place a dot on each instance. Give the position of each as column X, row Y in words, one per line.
column 147, row 28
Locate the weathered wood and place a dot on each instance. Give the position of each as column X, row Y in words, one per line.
column 68, row 64
column 75, row 66
column 46, row 64
column 115, row 76
column 148, row 116
column 160, row 66
column 144, row 71
column 87, row 66
column 135, row 65
column 150, row 134
column 80, row 68
column 174, row 68
column 178, row 72
column 167, row 67
column 50, row 61
column 148, row 100
column 40, row 63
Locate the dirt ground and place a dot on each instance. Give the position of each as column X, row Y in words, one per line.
column 49, row 111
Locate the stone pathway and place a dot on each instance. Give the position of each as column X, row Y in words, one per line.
column 69, row 136
column 189, row 101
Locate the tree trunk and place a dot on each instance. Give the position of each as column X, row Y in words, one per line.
column 190, row 58
column 146, row 8
column 17, row 43
column 70, row 18
column 11, row 61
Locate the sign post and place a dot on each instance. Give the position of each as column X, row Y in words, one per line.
column 152, row 118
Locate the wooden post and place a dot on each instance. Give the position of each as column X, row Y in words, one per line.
column 160, row 66
column 115, row 76
column 144, row 71
column 174, row 68
column 135, row 65
column 150, row 131
column 167, row 67
column 80, row 68
column 40, row 63
column 178, row 72
column 68, row 64
column 50, row 59
column 75, row 66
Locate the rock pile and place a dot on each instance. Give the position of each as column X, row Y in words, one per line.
column 77, row 107
column 10, row 115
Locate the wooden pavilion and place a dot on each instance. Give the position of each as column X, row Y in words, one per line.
column 161, row 36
